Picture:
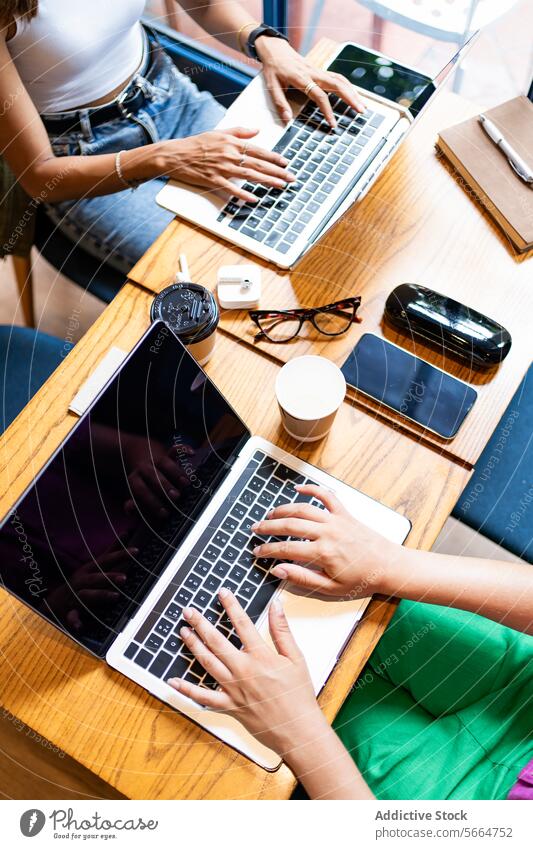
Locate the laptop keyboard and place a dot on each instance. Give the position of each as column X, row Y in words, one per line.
column 319, row 157
column 222, row 557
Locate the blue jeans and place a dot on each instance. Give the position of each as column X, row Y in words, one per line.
column 120, row 227
column 27, row 358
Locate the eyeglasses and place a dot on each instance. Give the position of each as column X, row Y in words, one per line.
column 283, row 325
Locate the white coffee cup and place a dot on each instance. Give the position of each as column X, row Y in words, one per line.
column 309, row 390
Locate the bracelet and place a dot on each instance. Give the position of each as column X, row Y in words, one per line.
column 130, row 184
column 252, row 24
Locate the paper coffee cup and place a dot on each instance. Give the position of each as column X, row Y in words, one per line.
column 309, row 391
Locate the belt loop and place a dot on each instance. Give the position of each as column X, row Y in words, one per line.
column 85, row 123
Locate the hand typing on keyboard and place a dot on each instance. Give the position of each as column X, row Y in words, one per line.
column 270, row 692
column 349, row 559
column 284, row 68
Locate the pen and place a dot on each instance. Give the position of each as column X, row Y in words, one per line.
column 514, row 159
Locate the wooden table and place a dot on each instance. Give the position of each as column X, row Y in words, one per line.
column 114, row 738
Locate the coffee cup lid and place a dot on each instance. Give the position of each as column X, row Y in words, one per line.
column 188, row 308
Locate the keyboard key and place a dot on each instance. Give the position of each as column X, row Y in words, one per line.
column 256, row 484
column 229, row 524
column 246, row 559
column 173, row 644
column 131, row 651
column 178, row 667
column 247, row 590
column 193, row 581
column 161, row 664
column 284, row 247
column 265, row 499
column 256, row 575
column 281, row 500
column 237, row 574
column 144, row 658
column 246, row 525
column 197, row 669
column 239, row 540
column 256, row 513
column 212, row 616
column 261, row 599
column 212, row 553
column 266, row 467
column 202, row 598
column 183, row 597
column 248, row 497
column 163, row 627
column 154, row 642
column 221, row 569
column 313, row 207
column 211, row 584
column 298, row 227
column 253, row 234
column 376, row 120
column 239, row 511
column 274, row 485
column 190, row 676
column 288, row 474
column 202, row 567
column 173, row 612
column 230, row 585
column 271, row 240
column 220, row 539
column 234, row 639
column 230, row 554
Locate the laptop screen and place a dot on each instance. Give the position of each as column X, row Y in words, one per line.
column 374, row 72
column 89, row 538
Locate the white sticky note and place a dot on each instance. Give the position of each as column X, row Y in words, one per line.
column 97, row 380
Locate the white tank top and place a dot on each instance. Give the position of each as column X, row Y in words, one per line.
column 76, row 51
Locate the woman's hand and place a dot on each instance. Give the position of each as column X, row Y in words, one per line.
column 353, row 561
column 270, row 692
column 283, row 67
column 211, row 160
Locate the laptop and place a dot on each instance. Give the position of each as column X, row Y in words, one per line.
column 147, row 507
column 334, row 168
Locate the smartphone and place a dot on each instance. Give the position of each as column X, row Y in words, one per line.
column 408, row 385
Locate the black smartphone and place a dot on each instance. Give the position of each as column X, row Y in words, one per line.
column 408, row 385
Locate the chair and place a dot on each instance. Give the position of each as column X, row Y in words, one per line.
column 498, row 499
column 211, row 71
column 444, row 20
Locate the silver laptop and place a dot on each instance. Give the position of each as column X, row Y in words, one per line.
column 147, row 507
column 334, row 168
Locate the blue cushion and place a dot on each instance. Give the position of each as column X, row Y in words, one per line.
column 498, row 500
column 27, row 359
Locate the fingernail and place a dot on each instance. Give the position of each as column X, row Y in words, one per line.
column 188, row 612
column 224, row 592
column 255, row 526
column 277, row 605
column 163, row 512
column 173, row 493
column 283, row 161
column 286, row 115
column 185, row 632
column 120, row 579
column 256, row 550
column 133, row 551
column 291, row 177
column 174, row 681
column 279, row 572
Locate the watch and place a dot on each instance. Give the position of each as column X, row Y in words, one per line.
column 262, row 29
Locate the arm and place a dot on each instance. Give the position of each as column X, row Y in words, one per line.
column 271, row 693
column 283, row 67
column 209, row 160
column 354, row 561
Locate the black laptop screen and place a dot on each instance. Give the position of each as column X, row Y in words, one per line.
column 92, row 534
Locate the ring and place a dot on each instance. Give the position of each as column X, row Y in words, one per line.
column 308, row 87
column 245, row 148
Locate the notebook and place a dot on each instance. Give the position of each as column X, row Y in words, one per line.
column 487, row 172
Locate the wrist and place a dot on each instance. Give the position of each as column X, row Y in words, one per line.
column 267, row 47
column 399, row 566
column 295, row 742
column 143, row 163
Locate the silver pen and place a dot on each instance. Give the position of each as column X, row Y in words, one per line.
column 514, row 159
